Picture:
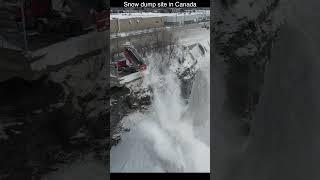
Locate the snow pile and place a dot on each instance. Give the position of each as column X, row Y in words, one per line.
column 189, row 36
column 167, row 137
column 199, row 103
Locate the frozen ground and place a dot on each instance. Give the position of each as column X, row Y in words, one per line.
column 170, row 136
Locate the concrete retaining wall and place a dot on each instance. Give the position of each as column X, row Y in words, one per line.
column 134, row 24
column 145, row 40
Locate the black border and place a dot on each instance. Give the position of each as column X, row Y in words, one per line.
column 166, row 176
column 119, row 3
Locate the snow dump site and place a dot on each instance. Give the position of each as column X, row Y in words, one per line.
column 172, row 132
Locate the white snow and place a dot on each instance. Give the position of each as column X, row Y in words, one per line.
column 131, row 77
column 170, row 136
column 132, row 33
column 189, row 36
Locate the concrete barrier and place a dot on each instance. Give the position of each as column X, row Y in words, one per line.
column 134, row 24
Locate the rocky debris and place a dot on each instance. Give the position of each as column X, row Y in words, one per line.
column 125, row 100
column 119, row 107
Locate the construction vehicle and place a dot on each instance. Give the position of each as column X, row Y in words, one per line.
column 126, row 66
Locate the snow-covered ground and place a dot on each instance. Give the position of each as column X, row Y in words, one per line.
column 194, row 33
column 137, row 32
column 170, row 136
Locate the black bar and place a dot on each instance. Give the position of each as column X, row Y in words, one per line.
column 119, row 3
column 166, row 176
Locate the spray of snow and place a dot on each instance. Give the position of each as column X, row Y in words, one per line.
column 171, row 136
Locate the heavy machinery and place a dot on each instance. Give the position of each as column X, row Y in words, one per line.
column 126, row 66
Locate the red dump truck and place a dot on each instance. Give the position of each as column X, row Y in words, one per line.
column 127, row 66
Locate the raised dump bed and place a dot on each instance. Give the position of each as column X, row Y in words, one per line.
column 126, row 66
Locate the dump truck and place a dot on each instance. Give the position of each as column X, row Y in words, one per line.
column 126, row 66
